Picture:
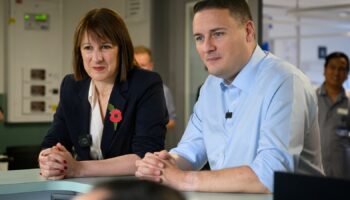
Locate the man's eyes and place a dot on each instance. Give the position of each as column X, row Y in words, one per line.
column 198, row 38
column 218, row 34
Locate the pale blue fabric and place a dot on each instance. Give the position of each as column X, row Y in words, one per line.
column 274, row 125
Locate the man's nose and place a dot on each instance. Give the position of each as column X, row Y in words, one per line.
column 209, row 45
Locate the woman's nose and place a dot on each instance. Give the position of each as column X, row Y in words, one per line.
column 97, row 55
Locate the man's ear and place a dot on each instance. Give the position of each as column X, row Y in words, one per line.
column 250, row 31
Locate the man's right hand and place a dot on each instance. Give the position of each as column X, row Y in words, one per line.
column 150, row 167
column 162, row 167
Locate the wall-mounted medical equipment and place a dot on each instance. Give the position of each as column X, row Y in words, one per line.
column 33, row 61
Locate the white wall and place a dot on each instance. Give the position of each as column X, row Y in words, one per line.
column 73, row 10
column 300, row 47
column 314, row 66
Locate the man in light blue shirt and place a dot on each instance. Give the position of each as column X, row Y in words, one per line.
column 256, row 114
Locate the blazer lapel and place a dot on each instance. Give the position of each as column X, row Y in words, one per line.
column 118, row 100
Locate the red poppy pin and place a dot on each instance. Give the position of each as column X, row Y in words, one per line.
column 115, row 116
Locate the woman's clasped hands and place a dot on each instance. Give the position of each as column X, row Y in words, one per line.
column 57, row 163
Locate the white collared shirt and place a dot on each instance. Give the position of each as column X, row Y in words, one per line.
column 96, row 124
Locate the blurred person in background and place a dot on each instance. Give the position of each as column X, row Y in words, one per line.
column 333, row 112
column 143, row 56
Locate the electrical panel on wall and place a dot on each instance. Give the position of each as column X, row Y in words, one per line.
column 33, row 59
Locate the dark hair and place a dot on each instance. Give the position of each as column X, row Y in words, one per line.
column 138, row 190
column 103, row 23
column 238, row 8
column 337, row 55
column 142, row 49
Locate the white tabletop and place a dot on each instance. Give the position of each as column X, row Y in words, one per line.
column 20, row 181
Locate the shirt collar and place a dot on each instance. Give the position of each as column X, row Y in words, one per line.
column 246, row 76
column 323, row 92
column 92, row 94
column 224, row 86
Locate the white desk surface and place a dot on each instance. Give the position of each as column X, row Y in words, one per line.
column 20, row 181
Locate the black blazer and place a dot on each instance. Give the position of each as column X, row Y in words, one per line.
column 144, row 116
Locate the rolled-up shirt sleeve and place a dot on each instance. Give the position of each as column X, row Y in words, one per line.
column 191, row 146
column 282, row 131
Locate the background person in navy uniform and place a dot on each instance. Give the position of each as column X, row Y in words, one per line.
column 111, row 112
